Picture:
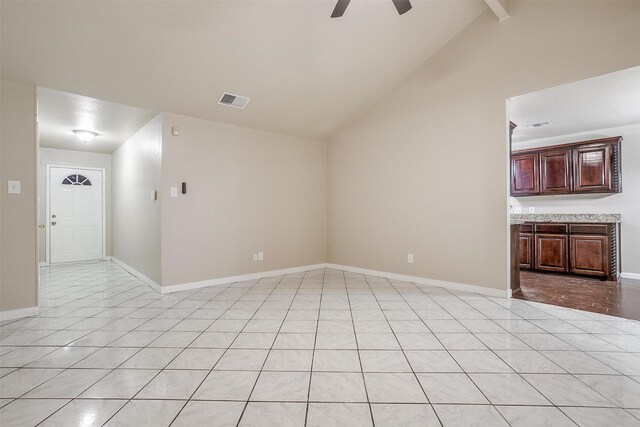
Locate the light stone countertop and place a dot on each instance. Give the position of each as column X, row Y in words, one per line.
column 568, row 218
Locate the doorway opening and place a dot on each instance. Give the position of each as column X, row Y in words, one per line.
column 578, row 235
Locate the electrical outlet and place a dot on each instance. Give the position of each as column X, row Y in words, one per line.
column 532, row 210
column 255, row 257
column 410, row 258
column 260, row 256
column 174, row 192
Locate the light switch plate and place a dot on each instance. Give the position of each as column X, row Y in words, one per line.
column 260, row 256
column 174, row 191
column 13, row 187
column 410, row 258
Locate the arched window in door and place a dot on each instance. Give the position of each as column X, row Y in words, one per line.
column 76, row 179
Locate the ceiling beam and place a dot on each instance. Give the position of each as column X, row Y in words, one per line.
column 499, row 7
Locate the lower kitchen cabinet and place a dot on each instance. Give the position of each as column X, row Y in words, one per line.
column 526, row 250
column 584, row 249
column 589, row 255
column 551, row 252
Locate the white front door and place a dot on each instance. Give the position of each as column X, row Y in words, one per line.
column 75, row 214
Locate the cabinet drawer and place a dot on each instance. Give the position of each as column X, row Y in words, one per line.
column 552, row 228
column 588, row 229
column 526, row 228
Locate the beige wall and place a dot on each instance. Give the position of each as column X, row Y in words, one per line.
column 18, row 235
column 425, row 171
column 626, row 203
column 136, row 173
column 248, row 191
column 75, row 159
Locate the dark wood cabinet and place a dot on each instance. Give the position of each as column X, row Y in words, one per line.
column 555, row 172
column 593, row 169
column 551, row 252
column 585, row 249
column 526, row 250
column 525, row 177
column 589, row 255
column 583, row 167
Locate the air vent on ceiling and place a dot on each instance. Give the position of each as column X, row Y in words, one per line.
column 537, row 125
column 232, row 100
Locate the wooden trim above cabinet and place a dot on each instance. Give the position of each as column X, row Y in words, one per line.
column 571, row 145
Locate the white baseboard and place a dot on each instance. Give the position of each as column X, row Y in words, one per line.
column 425, row 281
column 19, row 313
column 153, row 285
column 240, row 278
column 634, row 276
column 253, row 276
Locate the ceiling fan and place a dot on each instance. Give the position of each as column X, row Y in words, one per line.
column 403, row 6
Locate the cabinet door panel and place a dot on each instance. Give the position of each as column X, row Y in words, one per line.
column 589, row 255
column 526, row 250
column 551, row 252
column 592, row 168
column 555, row 172
column 525, row 175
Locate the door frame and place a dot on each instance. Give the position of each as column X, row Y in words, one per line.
column 47, row 191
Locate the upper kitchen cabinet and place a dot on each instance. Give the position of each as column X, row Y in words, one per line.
column 596, row 168
column 582, row 167
column 555, row 171
column 525, row 175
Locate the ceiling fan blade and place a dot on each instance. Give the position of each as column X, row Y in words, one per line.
column 403, row 6
column 341, row 6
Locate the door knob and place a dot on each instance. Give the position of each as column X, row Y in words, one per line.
column 41, row 226
column 53, row 223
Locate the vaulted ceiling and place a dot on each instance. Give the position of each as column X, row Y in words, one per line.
column 306, row 74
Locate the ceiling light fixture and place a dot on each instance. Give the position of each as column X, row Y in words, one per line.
column 85, row 135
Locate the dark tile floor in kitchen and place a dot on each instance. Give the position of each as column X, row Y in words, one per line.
column 615, row 299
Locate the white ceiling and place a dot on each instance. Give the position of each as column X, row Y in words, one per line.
column 59, row 113
column 607, row 101
column 306, row 74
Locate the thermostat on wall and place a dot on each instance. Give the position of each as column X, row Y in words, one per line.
column 13, row 187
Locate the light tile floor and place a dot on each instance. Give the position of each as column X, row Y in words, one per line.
column 319, row 348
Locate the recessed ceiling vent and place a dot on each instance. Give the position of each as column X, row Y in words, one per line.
column 537, row 125
column 232, row 100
